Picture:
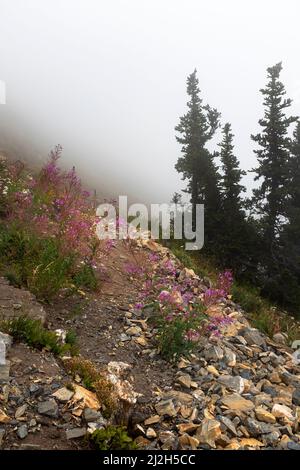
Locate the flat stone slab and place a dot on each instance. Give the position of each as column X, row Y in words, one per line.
column 16, row 302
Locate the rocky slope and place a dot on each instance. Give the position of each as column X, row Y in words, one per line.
column 237, row 391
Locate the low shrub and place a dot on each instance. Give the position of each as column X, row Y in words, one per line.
column 34, row 334
column 93, row 380
column 112, row 438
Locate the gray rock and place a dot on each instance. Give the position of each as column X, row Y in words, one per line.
column 35, row 389
column 234, row 383
column 48, row 408
column 20, row 411
column 290, row 379
column 228, row 424
column 272, row 438
column 91, row 415
column 4, row 372
column 7, row 340
column 75, row 433
column 166, row 407
column 256, row 428
column 22, row 431
column 296, row 396
column 253, row 337
column 293, row 445
column 214, row 353
column 279, row 338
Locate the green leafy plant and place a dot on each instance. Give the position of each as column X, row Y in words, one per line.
column 34, row 334
column 112, row 438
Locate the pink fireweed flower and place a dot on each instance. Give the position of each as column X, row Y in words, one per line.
column 153, row 257
column 225, row 281
column 139, row 305
column 133, row 269
column 212, row 296
column 192, row 335
column 164, row 296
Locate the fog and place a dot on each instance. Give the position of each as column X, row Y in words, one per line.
column 107, row 80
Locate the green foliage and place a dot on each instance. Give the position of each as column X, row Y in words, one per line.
column 85, row 277
column 247, row 297
column 71, row 337
column 112, row 438
column 35, row 262
column 34, row 334
column 196, row 164
column 178, row 333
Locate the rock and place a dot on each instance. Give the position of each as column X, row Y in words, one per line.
column 166, row 408
column 22, row 431
column 256, row 428
column 63, row 394
column 272, row 438
column 296, row 397
column 279, row 338
column 186, row 441
column 48, row 408
column 4, row 372
column 134, row 330
column 75, row 433
column 85, row 398
column 150, row 433
column 223, row 440
column 6, row 339
column 212, row 370
column 152, row 420
column 228, row 424
column 290, row 379
column 229, row 357
column 209, row 431
column 250, row 442
column 264, row 415
column 20, row 411
column 296, row 357
column 237, row 403
column 291, row 445
column 253, row 337
column 124, row 337
column 91, row 415
column 141, row 340
column 184, row 380
column 233, row 383
column 180, row 397
column 274, row 378
column 34, row 389
column 282, row 411
column 118, row 368
column 214, row 353
column 4, row 418
column 187, row 428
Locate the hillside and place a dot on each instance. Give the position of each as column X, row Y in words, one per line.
column 118, row 345
column 236, row 391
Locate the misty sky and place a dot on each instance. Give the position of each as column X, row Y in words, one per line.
column 107, row 80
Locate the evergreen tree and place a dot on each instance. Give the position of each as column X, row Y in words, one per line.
column 289, row 285
column 232, row 175
column 233, row 249
column 273, row 157
column 196, row 164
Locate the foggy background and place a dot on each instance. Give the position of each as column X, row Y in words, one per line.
column 107, row 80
